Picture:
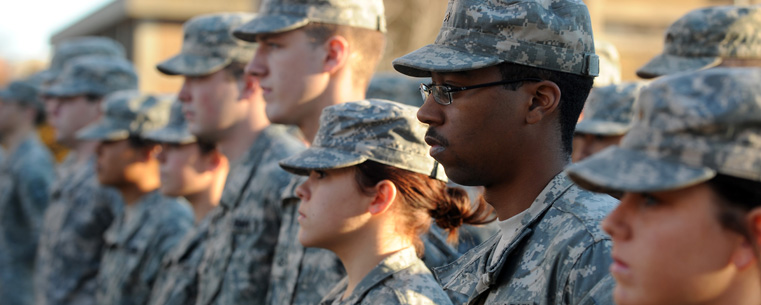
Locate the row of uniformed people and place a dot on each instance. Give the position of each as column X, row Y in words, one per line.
column 541, row 224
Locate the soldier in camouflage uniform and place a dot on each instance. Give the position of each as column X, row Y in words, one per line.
column 376, row 234
column 496, row 118
column 608, row 115
column 687, row 228
column 292, row 34
column 196, row 171
column 26, row 174
column 709, row 37
column 223, row 107
column 151, row 225
column 80, row 211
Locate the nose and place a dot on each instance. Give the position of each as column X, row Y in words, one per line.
column 257, row 67
column 302, row 191
column 430, row 112
column 616, row 223
column 184, row 95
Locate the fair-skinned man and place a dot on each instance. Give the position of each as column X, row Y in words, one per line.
column 26, row 174
column 501, row 115
column 77, row 199
column 225, row 107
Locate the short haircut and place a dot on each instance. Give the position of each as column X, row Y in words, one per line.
column 366, row 46
column 574, row 90
column 235, row 70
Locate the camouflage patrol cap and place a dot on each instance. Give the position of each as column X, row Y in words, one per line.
column 548, row 34
column 128, row 113
column 176, row 131
column 208, row 45
column 610, row 64
column 352, row 133
column 24, row 92
column 81, row 46
column 277, row 16
column 704, row 36
column 691, row 127
column 395, row 87
column 96, row 75
column 609, row 110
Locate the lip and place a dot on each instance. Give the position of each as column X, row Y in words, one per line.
column 436, row 146
column 301, row 216
column 619, row 268
column 188, row 115
column 266, row 91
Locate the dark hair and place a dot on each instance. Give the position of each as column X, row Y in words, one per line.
column 235, row 70
column 738, row 197
column 367, row 44
column 425, row 199
column 574, row 90
column 139, row 142
column 206, row 147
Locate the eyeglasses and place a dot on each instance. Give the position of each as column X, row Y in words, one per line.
column 442, row 94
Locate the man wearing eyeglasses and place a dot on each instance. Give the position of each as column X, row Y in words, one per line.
column 508, row 84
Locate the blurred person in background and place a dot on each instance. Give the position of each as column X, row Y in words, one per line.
column 26, row 174
column 81, row 209
column 195, row 171
column 688, row 227
column 372, row 192
column 717, row 36
column 609, row 112
column 225, row 107
column 151, row 225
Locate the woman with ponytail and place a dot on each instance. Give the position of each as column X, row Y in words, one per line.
column 372, row 191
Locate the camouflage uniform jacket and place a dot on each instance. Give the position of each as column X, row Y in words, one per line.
column 26, row 175
column 243, row 229
column 402, row 278
column 304, row 275
column 177, row 282
column 71, row 243
column 560, row 255
column 136, row 243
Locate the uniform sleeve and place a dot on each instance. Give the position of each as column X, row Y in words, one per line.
column 590, row 282
column 34, row 191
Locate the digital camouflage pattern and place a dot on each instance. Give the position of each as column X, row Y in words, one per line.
column 691, row 126
column 23, row 92
column 560, row 255
column 177, row 281
column 702, row 37
column 277, row 16
column 400, row 278
column 395, row 87
column 208, row 45
column 81, row 46
column 128, row 113
column 26, row 175
column 72, row 243
column 610, row 64
column 243, row 229
column 352, row 133
column 548, row 34
column 94, row 75
column 136, row 244
column 609, row 110
column 176, row 131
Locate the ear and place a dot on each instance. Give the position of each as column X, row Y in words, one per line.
column 213, row 161
column 337, row 53
column 545, row 101
column 385, row 195
column 745, row 255
column 149, row 152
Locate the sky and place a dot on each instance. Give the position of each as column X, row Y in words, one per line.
column 27, row 25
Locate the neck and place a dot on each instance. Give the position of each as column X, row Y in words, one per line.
column 743, row 290
column 240, row 138
column 202, row 203
column 132, row 193
column 360, row 255
column 336, row 93
column 83, row 151
column 13, row 139
column 516, row 193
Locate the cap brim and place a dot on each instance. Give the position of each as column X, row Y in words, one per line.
column 48, row 76
column 602, row 128
column 318, row 158
column 616, row 170
column 65, row 88
column 171, row 135
column 438, row 58
column 192, row 65
column 269, row 24
column 103, row 130
column 665, row 64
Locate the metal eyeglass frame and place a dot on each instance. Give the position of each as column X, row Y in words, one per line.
column 439, row 90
